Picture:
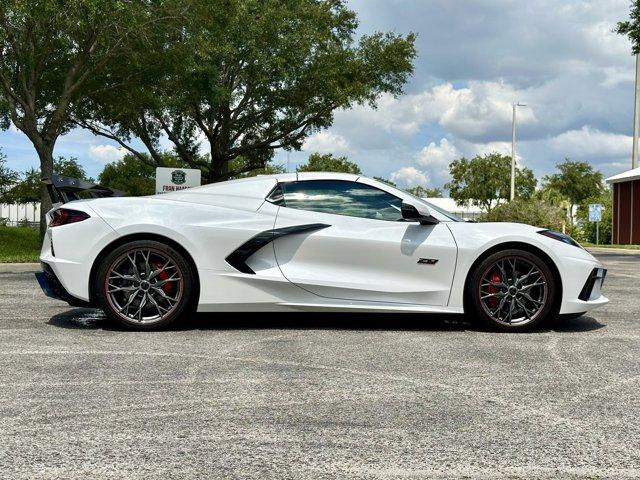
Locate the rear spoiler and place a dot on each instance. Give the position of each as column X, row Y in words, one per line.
column 65, row 189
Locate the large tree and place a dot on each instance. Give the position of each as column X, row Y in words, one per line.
column 485, row 181
column 244, row 78
column 576, row 181
column 55, row 52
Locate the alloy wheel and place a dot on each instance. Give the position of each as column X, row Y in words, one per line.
column 513, row 291
column 144, row 285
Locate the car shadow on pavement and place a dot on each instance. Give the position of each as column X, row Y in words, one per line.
column 83, row 318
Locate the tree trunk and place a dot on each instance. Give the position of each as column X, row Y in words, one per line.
column 45, row 154
column 571, row 206
column 219, row 167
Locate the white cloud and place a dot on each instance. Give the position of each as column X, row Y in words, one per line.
column 438, row 155
column 326, row 142
column 106, row 153
column 482, row 109
column 504, row 148
column 589, row 142
column 410, row 177
column 564, row 61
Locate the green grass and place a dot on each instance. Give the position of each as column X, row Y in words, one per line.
column 19, row 244
column 626, row 247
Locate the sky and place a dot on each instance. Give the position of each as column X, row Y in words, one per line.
column 475, row 59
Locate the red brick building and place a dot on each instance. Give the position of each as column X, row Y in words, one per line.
column 626, row 207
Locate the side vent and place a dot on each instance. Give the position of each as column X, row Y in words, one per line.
column 238, row 258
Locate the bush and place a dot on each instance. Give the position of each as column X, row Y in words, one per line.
column 586, row 230
column 536, row 212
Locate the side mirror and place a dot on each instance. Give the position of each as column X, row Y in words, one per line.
column 411, row 213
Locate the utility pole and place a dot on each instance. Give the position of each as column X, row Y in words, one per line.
column 636, row 117
column 513, row 150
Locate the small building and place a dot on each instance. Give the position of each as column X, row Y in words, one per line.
column 626, row 207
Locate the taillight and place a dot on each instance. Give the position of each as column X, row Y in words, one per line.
column 65, row 216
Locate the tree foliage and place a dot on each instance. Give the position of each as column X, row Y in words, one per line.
column 269, row 169
column 328, row 163
column 534, row 212
column 53, row 53
column 386, row 180
column 586, row 231
column 485, row 181
column 27, row 188
column 134, row 177
column 8, row 177
column 575, row 181
column 631, row 27
column 247, row 77
column 424, row 192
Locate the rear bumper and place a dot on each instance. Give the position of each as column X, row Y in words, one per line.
column 69, row 252
column 52, row 287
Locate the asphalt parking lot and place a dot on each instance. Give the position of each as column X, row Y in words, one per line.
column 318, row 396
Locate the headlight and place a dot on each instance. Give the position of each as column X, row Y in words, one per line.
column 562, row 237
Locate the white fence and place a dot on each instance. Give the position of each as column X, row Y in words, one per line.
column 18, row 214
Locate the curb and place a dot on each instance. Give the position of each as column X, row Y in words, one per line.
column 612, row 251
column 19, row 267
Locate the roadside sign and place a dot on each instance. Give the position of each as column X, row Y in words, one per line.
column 174, row 179
column 595, row 212
column 595, row 215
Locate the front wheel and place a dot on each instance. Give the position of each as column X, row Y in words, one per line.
column 512, row 290
column 145, row 285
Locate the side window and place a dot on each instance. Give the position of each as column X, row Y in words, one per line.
column 341, row 197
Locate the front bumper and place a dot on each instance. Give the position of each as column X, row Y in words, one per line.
column 583, row 287
column 593, row 286
column 52, row 287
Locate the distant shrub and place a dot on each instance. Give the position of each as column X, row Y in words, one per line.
column 4, row 222
column 586, row 230
column 536, row 212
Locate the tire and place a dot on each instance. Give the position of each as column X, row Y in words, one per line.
column 145, row 285
column 509, row 302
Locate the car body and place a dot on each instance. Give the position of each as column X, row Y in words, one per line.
column 297, row 242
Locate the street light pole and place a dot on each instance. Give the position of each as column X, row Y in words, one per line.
column 636, row 117
column 513, row 150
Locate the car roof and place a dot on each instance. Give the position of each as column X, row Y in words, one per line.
column 280, row 177
column 260, row 185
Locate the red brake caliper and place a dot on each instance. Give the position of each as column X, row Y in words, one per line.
column 167, row 287
column 493, row 301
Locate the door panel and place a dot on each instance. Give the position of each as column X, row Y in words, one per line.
column 367, row 259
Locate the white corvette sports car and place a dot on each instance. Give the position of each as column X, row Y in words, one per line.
column 305, row 242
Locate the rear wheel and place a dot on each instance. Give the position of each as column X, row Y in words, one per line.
column 145, row 285
column 512, row 290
